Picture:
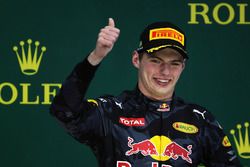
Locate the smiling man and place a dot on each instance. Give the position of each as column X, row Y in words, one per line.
column 159, row 73
column 148, row 126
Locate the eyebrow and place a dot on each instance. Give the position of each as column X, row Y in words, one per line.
column 154, row 57
column 178, row 60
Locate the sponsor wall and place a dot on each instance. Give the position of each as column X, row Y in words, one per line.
column 41, row 41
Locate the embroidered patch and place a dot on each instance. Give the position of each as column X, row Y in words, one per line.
column 166, row 33
column 184, row 127
column 132, row 121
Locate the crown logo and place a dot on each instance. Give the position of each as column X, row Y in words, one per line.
column 242, row 145
column 29, row 63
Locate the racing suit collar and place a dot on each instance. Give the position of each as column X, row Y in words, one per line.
column 155, row 105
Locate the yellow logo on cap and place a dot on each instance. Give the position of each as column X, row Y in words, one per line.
column 166, row 33
column 184, row 127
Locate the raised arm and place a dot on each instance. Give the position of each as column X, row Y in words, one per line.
column 80, row 117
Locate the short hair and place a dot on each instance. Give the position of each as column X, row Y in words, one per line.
column 141, row 55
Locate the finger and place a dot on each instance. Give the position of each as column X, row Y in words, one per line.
column 104, row 42
column 112, row 29
column 110, row 32
column 108, row 37
column 111, row 22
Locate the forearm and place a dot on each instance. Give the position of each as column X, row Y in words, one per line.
column 71, row 95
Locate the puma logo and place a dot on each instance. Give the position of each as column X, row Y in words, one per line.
column 201, row 113
column 119, row 104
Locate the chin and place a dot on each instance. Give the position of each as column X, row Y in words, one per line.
column 164, row 93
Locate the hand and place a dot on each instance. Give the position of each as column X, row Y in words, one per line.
column 105, row 42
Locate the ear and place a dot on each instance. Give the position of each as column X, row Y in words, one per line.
column 184, row 65
column 135, row 59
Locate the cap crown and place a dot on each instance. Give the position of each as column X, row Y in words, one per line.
column 160, row 35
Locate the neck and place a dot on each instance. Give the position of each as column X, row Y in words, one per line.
column 155, row 98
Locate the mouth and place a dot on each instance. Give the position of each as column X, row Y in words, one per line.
column 162, row 82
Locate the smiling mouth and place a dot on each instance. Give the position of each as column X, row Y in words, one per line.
column 162, row 82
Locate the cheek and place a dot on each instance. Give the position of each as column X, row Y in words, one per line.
column 145, row 76
column 177, row 73
column 151, row 68
column 148, row 71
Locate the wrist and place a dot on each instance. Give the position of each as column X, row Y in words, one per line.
column 94, row 59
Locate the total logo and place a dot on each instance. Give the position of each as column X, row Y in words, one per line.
column 160, row 148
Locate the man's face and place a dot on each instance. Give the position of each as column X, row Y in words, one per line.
column 158, row 73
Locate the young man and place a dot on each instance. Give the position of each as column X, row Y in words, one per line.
column 148, row 126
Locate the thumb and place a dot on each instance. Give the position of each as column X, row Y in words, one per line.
column 111, row 22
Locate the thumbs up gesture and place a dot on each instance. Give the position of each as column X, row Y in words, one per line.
column 105, row 42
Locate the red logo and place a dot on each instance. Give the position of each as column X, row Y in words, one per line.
column 127, row 164
column 175, row 151
column 160, row 148
column 146, row 147
column 164, row 107
column 132, row 121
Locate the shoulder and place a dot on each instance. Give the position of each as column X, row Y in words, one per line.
column 195, row 108
column 111, row 101
column 200, row 112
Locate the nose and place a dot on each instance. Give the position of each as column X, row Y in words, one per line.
column 165, row 68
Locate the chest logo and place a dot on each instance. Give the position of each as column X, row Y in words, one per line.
column 132, row 121
column 164, row 107
column 184, row 127
column 160, row 148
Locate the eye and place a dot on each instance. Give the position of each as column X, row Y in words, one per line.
column 176, row 63
column 155, row 61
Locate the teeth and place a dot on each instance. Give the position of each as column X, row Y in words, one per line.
column 161, row 80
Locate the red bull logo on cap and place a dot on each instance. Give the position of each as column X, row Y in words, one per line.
column 160, row 148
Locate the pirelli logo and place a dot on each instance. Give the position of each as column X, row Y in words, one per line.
column 166, row 33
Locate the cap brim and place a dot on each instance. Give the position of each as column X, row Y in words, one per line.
column 158, row 48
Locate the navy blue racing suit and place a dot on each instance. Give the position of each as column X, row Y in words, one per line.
column 131, row 130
